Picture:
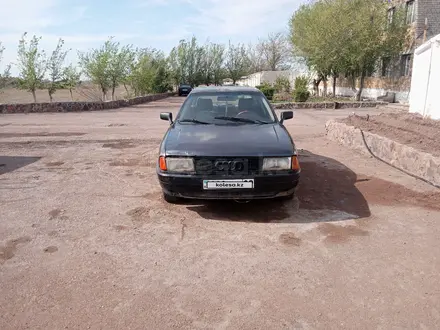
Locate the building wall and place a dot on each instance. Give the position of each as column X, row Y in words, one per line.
column 252, row 80
column 429, row 9
column 373, row 87
column 269, row 77
column 425, row 84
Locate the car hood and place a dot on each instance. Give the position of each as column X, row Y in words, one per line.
column 228, row 140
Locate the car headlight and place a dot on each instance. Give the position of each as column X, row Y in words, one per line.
column 181, row 165
column 277, row 163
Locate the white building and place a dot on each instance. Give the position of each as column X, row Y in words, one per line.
column 258, row 78
column 425, row 82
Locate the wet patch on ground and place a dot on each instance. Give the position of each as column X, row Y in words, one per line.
column 51, row 249
column 10, row 248
column 116, row 125
column 120, row 145
column 138, row 214
column 53, row 164
column 289, row 239
column 336, row 234
column 120, row 228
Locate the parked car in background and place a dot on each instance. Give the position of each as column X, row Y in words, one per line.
column 227, row 143
column 184, row 89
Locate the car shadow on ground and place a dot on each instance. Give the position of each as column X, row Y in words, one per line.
column 327, row 192
column 12, row 163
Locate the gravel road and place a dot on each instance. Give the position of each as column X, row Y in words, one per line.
column 86, row 241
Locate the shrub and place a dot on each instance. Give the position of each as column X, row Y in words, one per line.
column 267, row 90
column 300, row 95
column 282, row 97
column 301, row 90
column 282, row 85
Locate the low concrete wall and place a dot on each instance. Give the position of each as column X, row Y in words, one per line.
column 326, row 105
column 78, row 106
column 374, row 93
column 421, row 164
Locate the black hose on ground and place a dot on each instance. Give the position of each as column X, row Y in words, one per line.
column 397, row 168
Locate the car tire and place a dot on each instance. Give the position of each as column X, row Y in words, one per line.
column 171, row 199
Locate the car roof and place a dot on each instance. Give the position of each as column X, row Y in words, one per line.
column 222, row 89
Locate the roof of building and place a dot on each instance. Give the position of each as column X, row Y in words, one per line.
column 210, row 89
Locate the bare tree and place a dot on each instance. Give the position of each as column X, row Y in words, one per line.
column 256, row 60
column 275, row 51
column 237, row 62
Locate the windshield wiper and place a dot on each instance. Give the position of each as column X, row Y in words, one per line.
column 195, row 121
column 242, row 120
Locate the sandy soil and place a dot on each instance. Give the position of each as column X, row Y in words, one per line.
column 86, row 241
column 14, row 95
column 409, row 129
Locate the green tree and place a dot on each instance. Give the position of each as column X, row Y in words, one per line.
column 96, row 65
column 217, row 52
column 121, row 59
column 237, row 62
column 149, row 73
column 185, row 62
column 31, row 65
column 313, row 40
column 55, row 69
column 4, row 77
column 360, row 35
column 211, row 63
column 71, row 79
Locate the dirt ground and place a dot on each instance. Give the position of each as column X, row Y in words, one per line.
column 86, row 241
column 410, row 129
column 86, row 93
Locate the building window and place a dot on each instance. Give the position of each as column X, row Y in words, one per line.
column 410, row 12
column 386, row 67
column 406, row 65
column 390, row 15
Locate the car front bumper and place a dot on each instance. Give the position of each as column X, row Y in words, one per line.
column 265, row 186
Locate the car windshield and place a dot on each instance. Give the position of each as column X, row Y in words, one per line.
column 226, row 108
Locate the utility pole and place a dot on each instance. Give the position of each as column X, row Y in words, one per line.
column 425, row 30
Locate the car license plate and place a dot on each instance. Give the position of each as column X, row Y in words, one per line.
column 184, row 90
column 228, row 184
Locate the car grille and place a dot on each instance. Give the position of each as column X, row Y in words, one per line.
column 227, row 165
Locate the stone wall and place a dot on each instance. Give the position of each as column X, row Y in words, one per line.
column 326, row 105
column 78, row 106
column 408, row 159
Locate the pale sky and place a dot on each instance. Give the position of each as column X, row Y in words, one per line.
column 143, row 23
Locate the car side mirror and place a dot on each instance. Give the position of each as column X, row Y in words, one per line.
column 167, row 116
column 286, row 115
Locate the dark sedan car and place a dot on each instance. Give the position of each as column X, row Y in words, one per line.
column 184, row 89
column 227, row 143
